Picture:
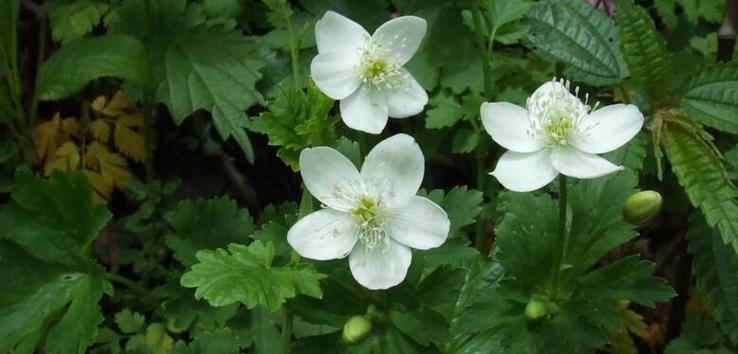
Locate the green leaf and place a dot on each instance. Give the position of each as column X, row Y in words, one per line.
column 574, row 33
column 700, row 171
column 644, row 50
column 631, row 155
column 219, row 341
column 70, row 68
column 195, row 66
column 710, row 96
column 700, row 335
column 295, row 120
column 41, row 220
column 73, row 20
column 49, row 301
column 206, row 224
column 461, row 204
column 445, row 111
column 628, row 278
column 715, row 266
column 129, row 322
column 245, row 274
column 465, row 141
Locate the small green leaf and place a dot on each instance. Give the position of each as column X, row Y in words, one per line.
column 73, row 20
column 463, row 205
column 245, row 274
column 644, row 50
column 445, row 111
column 465, row 141
column 218, row 341
column 585, row 39
column 710, row 96
column 129, row 322
column 206, row 224
column 70, row 68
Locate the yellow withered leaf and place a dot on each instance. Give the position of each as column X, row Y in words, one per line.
column 66, row 158
column 98, row 104
column 100, row 130
column 111, row 166
column 117, row 105
column 129, row 141
column 103, row 187
column 70, row 126
column 46, row 137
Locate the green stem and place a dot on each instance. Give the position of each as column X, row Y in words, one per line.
column 481, row 167
column 294, row 53
column 563, row 237
column 147, row 128
column 287, row 330
column 306, row 202
column 486, row 54
column 146, row 295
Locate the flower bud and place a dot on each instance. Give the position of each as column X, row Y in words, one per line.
column 535, row 309
column 356, row 329
column 642, row 207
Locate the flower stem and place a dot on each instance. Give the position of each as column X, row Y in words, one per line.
column 563, row 237
column 294, row 51
column 137, row 288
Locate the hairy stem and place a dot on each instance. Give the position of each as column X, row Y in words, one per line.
column 294, row 52
column 563, row 237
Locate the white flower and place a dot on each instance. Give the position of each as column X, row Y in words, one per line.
column 373, row 216
column 556, row 134
column 366, row 72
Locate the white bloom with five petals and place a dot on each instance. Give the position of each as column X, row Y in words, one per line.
column 365, row 72
column 557, row 133
column 372, row 215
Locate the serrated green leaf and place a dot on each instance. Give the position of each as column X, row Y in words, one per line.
column 628, row 278
column 129, row 322
column 73, row 20
column 461, row 204
column 574, row 33
column 196, row 66
column 46, row 297
column 295, row 120
column 218, row 341
column 465, row 141
column 644, row 51
column 40, row 220
column 70, row 68
column 716, row 267
column 701, row 172
column 245, row 274
column 445, row 111
column 206, row 224
column 710, row 96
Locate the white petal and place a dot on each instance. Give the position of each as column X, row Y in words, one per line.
column 396, row 165
column 574, row 163
column 365, row 110
column 337, row 33
column 324, row 234
column 609, row 128
column 508, row 125
column 401, row 36
column 407, row 100
column 420, row 224
column 525, row 172
column 326, row 173
column 335, row 74
column 380, row 267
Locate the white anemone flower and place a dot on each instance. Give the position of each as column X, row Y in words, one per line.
column 557, row 133
column 365, row 72
column 373, row 216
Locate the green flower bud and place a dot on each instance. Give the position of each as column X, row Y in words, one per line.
column 642, row 207
column 536, row 309
column 356, row 329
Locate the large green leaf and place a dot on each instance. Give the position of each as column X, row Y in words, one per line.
column 644, row 50
column 245, row 274
column 206, row 224
column 573, row 32
column 702, row 174
column 196, row 66
column 716, row 267
column 628, row 278
column 42, row 222
column 710, row 96
column 52, row 285
column 73, row 20
column 70, row 68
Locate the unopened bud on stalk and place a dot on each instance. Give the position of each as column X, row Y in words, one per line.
column 356, row 329
column 642, row 207
column 536, row 309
